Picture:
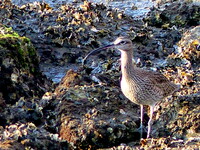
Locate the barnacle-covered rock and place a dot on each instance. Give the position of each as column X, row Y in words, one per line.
column 22, row 85
column 189, row 44
column 179, row 14
column 187, row 51
column 28, row 135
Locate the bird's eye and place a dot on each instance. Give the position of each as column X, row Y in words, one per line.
column 123, row 42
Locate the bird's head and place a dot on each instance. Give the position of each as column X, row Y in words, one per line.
column 121, row 43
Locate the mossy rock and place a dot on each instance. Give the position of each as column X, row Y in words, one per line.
column 20, row 49
column 19, row 63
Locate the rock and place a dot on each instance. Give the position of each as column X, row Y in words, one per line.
column 189, row 45
column 28, row 135
column 19, row 64
column 11, row 145
column 22, row 85
column 177, row 14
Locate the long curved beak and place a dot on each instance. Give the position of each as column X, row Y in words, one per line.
column 95, row 51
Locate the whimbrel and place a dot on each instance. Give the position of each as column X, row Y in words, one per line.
column 140, row 86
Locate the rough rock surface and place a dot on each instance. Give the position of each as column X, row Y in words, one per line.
column 19, row 74
column 178, row 14
column 22, row 85
column 87, row 109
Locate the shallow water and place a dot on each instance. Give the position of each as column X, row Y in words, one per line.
column 56, row 73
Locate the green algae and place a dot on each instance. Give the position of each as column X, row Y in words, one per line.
column 19, row 48
column 8, row 32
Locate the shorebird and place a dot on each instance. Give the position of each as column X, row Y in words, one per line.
column 142, row 87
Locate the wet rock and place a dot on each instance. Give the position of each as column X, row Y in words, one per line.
column 177, row 14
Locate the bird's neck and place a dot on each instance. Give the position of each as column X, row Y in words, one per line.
column 126, row 62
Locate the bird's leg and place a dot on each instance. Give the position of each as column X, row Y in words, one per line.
column 141, row 120
column 150, row 120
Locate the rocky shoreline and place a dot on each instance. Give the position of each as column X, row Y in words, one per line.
column 86, row 109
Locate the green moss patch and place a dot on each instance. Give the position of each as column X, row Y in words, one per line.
column 18, row 48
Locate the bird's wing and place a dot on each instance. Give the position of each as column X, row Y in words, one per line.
column 153, row 77
column 157, row 78
column 161, row 82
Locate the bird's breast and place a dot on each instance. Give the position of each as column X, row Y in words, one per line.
column 130, row 90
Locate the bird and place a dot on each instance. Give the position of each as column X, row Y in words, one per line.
column 140, row 86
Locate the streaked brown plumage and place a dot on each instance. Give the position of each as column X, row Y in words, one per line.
column 140, row 86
